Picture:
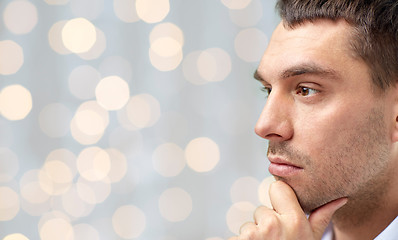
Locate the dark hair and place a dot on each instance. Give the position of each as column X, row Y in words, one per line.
column 375, row 29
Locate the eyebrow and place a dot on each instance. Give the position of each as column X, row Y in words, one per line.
column 301, row 69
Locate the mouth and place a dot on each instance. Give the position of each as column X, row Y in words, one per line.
column 282, row 168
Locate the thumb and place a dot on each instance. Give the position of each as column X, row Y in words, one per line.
column 321, row 217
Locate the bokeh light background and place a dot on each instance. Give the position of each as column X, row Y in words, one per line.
column 131, row 119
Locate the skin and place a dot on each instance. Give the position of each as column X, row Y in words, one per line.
column 324, row 115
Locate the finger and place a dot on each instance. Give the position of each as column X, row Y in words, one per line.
column 233, row 238
column 247, row 227
column 283, row 199
column 261, row 214
column 320, row 218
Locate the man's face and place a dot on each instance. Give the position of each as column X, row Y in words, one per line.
column 329, row 131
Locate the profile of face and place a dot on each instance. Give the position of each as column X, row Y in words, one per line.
column 329, row 130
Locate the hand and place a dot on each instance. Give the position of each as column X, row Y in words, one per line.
column 287, row 220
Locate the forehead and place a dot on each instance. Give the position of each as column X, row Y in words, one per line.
column 323, row 42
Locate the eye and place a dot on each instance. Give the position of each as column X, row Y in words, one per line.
column 267, row 90
column 306, row 91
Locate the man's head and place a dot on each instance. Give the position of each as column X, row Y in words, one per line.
column 330, row 135
column 374, row 33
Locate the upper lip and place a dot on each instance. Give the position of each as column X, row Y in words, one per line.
column 280, row 160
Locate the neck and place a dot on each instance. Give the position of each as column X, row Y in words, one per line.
column 352, row 222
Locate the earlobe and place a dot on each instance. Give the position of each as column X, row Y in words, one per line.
column 395, row 115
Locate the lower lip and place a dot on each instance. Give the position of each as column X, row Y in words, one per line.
column 283, row 170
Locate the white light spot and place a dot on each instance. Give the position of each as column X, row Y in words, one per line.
column 236, row 4
column 30, row 188
column 167, row 30
column 175, row 204
column 112, row 93
column 20, row 16
column 9, row 202
column 11, row 57
column 56, row 228
column 168, row 160
column 55, row 38
column 15, row 236
column 15, row 102
column 118, row 165
column 129, row 222
column 143, row 110
column 125, row 10
column 245, row 190
column 250, row 43
column 165, row 64
column 93, row 192
column 152, row 11
column 248, row 16
column 97, row 49
column 79, row 35
column 74, row 205
column 238, row 214
column 93, row 163
column 202, row 154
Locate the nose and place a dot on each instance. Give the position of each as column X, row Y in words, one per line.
column 274, row 122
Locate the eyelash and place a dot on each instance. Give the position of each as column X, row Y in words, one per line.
column 268, row 90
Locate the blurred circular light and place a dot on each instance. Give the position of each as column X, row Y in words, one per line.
column 97, row 49
column 79, row 35
column 15, row 102
column 83, row 80
column 9, row 204
column 20, row 16
column 129, row 222
column 54, row 120
column 168, row 160
column 167, row 30
column 56, row 228
column 236, row 4
column 11, row 57
column 245, row 190
column 74, row 205
column 238, row 214
column 30, row 188
column 9, row 165
column 248, row 16
column 89, row 123
column 143, row 110
column 125, row 10
column 15, row 236
column 118, row 165
column 112, row 93
column 202, row 154
column 165, row 64
column 152, row 11
column 93, row 192
column 175, row 204
column 249, row 44
column 55, row 38
column 93, row 163
column 166, row 47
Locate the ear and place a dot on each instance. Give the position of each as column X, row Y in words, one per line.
column 394, row 93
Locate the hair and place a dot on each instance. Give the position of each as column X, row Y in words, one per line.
column 375, row 29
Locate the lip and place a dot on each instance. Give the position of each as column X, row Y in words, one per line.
column 282, row 168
